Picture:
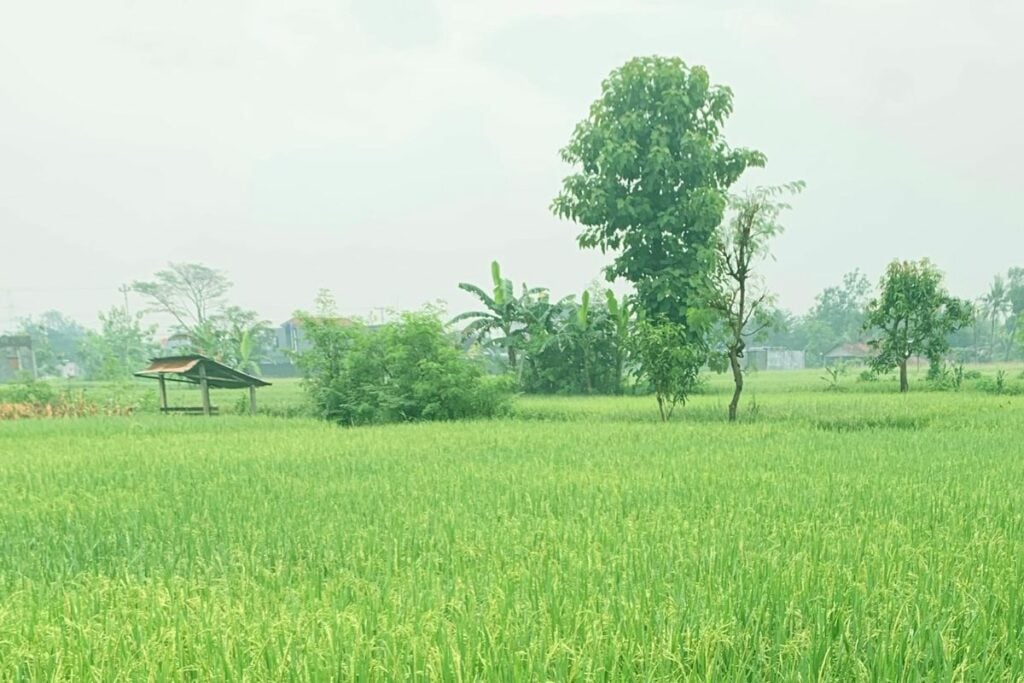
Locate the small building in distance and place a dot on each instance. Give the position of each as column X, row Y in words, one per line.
column 853, row 353
column 769, row 358
column 291, row 339
column 16, row 357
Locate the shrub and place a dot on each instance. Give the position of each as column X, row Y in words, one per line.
column 668, row 362
column 403, row 371
column 28, row 391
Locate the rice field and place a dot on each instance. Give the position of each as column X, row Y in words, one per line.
column 829, row 536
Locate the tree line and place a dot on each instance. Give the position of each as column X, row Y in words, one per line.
column 193, row 295
column 651, row 185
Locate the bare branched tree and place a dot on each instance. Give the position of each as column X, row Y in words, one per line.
column 739, row 295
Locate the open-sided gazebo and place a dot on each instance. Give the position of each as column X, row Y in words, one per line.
column 206, row 372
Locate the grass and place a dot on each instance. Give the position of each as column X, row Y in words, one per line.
column 840, row 536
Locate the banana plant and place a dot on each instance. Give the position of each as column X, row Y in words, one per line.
column 504, row 319
column 621, row 314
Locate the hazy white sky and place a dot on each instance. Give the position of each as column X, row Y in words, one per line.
column 388, row 149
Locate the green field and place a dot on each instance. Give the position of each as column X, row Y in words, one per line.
column 851, row 535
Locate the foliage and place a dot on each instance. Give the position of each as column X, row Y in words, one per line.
column 913, row 315
column 27, row 391
column 1015, row 296
column 567, row 346
column 194, row 295
column 577, row 347
column 55, row 340
column 63, row 405
column 402, row 371
column 837, row 316
column 738, row 295
column 121, row 346
column 668, row 361
column 503, row 320
column 995, row 306
column 833, row 374
column 652, row 169
column 191, row 293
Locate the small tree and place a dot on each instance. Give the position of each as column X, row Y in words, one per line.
column 667, row 361
column 913, row 315
column 121, row 346
column 739, row 296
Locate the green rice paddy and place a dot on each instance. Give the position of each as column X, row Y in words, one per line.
column 856, row 535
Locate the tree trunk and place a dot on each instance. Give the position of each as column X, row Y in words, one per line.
column 1011, row 337
column 618, row 374
column 737, row 377
column 587, row 382
column 512, row 358
column 904, row 384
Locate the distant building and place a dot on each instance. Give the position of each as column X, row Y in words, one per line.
column 290, row 340
column 855, row 353
column 179, row 342
column 69, row 370
column 768, row 358
column 16, row 357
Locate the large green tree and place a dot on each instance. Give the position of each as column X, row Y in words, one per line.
column 912, row 315
column 652, row 171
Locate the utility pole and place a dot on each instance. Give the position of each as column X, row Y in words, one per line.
column 124, row 289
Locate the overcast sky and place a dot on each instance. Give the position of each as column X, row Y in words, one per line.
column 388, row 149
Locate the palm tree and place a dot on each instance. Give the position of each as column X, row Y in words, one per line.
column 995, row 304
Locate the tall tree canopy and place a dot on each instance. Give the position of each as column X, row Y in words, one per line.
column 652, row 173
column 913, row 315
column 195, row 296
column 191, row 293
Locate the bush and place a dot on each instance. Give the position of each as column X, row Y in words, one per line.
column 404, row 371
column 29, row 391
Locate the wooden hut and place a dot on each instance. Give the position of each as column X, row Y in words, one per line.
column 206, row 372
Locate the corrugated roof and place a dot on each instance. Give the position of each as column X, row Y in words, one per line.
column 189, row 369
column 850, row 350
column 171, row 364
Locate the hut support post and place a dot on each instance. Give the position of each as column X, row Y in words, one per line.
column 205, row 386
column 252, row 400
column 163, row 392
